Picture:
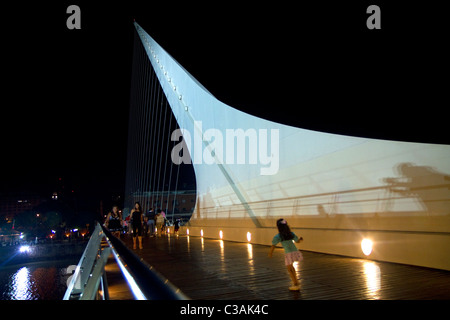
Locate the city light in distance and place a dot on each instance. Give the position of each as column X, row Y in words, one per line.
column 201, row 232
column 24, row 249
column 249, row 236
column 221, row 234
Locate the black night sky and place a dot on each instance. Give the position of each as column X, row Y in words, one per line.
column 65, row 93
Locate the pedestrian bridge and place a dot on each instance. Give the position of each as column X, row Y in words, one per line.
column 338, row 191
column 191, row 267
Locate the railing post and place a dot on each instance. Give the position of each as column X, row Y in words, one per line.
column 104, row 286
column 92, row 285
column 85, row 265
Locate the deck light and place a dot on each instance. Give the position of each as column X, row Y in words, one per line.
column 366, row 246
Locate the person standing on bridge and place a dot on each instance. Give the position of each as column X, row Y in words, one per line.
column 159, row 222
column 291, row 253
column 151, row 222
column 114, row 221
column 136, row 224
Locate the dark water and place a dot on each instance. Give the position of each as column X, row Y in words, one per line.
column 34, row 281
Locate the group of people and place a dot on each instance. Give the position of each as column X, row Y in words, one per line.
column 137, row 223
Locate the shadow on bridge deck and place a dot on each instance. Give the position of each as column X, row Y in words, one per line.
column 214, row 269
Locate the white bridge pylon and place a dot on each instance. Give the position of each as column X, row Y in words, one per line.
column 250, row 171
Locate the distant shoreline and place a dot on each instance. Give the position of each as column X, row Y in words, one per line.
column 12, row 255
column 42, row 263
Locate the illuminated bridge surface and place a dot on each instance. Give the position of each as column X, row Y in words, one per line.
column 214, row 269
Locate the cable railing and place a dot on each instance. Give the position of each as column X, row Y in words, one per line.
column 396, row 197
column 89, row 279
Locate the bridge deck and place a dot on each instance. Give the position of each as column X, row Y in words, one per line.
column 117, row 286
column 212, row 269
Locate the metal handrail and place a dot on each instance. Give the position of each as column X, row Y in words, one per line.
column 89, row 277
column 88, row 263
column 145, row 282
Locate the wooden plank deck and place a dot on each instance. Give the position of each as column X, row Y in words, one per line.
column 117, row 286
column 221, row 270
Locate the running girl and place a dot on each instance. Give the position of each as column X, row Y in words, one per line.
column 291, row 253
